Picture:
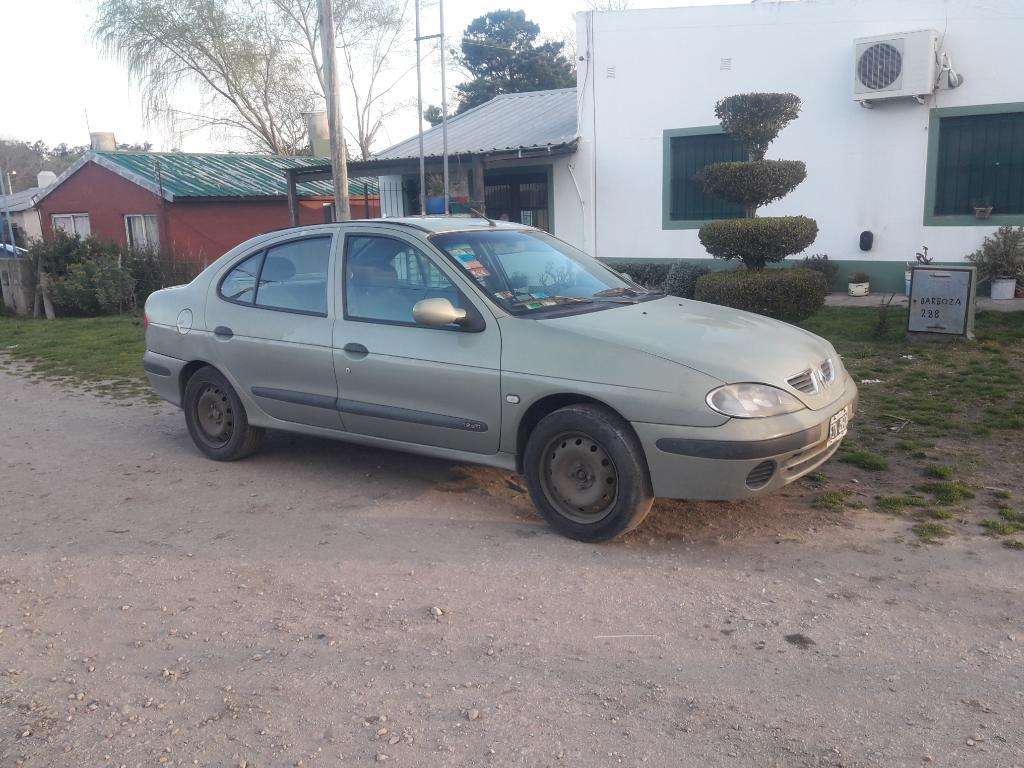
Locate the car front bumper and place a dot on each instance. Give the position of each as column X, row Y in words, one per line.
column 743, row 458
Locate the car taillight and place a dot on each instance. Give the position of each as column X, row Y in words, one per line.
column 145, row 321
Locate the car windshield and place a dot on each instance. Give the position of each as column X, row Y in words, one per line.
column 528, row 270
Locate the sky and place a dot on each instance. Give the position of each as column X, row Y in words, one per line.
column 58, row 87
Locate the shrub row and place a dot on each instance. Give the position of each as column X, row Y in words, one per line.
column 791, row 295
column 676, row 279
column 88, row 276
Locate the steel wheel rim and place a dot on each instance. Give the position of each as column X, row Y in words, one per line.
column 579, row 478
column 214, row 415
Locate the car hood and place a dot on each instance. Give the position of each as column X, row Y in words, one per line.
column 728, row 344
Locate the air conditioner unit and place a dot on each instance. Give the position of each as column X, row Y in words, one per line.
column 896, row 66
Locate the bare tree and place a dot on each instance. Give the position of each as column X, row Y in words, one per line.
column 256, row 62
column 369, row 48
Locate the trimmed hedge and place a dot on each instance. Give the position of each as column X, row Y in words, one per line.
column 759, row 240
column 756, row 118
column 791, row 295
column 752, row 184
column 648, row 275
column 682, row 279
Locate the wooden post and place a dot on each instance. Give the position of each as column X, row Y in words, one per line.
column 479, row 187
column 339, row 162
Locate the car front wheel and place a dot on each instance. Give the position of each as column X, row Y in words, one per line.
column 216, row 418
column 587, row 473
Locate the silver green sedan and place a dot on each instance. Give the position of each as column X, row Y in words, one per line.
column 498, row 344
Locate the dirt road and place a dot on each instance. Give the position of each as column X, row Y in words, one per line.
column 160, row 609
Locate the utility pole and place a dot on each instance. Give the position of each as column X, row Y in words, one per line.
column 444, row 112
column 339, row 162
column 419, row 116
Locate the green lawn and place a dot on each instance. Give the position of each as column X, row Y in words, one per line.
column 103, row 354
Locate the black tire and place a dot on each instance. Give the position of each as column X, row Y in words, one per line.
column 587, row 473
column 216, row 418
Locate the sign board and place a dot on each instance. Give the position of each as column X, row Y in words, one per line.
column 942, row 301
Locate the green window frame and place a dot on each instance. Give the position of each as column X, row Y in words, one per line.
column 975, row 154
column 685, row 151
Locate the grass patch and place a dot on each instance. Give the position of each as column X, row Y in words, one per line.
column 939, row 472
column 833, row 500
column 1001, row 527
column 931, row 533
column 899, row 504
column 947, row 492
column 1002, row 494
column 103, row 352
column 1013, row 544
column 864, row 459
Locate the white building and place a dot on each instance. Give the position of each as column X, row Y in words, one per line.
column 909, row 171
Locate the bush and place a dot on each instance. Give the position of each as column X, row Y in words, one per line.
column 646, row 274
column 785, row 294
column 859, row 277
column 1001, row 255
column 99, row 285
column 151, row 271
column 819, row 262
column 755, row 183
column 682, row 279
column 758, row 241
column 756, row 118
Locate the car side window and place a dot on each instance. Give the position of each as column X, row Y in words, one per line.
column 294, row 276
column 240, row 283
column 385, row 278
column 290, row 276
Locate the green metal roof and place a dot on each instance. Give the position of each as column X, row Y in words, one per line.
column 203, row 174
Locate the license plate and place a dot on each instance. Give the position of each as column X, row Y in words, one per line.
column 837, row 426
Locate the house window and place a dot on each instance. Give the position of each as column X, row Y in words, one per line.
column 143, row 233
column 976, row 161
column 72, row 223
column 686, row 151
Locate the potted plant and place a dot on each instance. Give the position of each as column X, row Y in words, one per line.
column 983, row 208
column 1000, row 260
column 859, row 284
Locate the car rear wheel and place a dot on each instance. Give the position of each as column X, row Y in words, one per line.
column 216, row 418
column 587, row 473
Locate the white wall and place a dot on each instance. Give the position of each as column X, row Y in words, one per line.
column 866, row 168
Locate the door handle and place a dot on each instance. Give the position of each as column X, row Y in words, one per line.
column 223, row 332
column 356, row 350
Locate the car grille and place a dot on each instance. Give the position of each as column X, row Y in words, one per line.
column 814, row 380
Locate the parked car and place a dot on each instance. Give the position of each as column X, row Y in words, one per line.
column 498, row 344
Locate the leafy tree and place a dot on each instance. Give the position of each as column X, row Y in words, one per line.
column 755, row 119
column 500, row 52
column 432, row 114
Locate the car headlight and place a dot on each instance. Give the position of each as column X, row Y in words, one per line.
column 752, row 401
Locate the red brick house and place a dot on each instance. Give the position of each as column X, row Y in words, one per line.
column 198, row 205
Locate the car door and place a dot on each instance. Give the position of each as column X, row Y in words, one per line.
column 270, row 315
column 404, row 381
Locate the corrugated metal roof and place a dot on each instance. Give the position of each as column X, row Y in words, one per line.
column 19, row 201
column 201, row 174
column 507, row 122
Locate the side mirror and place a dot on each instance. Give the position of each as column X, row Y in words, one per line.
column 438, row 313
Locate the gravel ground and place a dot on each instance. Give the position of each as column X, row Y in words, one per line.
column 324, row 604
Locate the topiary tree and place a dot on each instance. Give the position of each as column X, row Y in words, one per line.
column 755, row 119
